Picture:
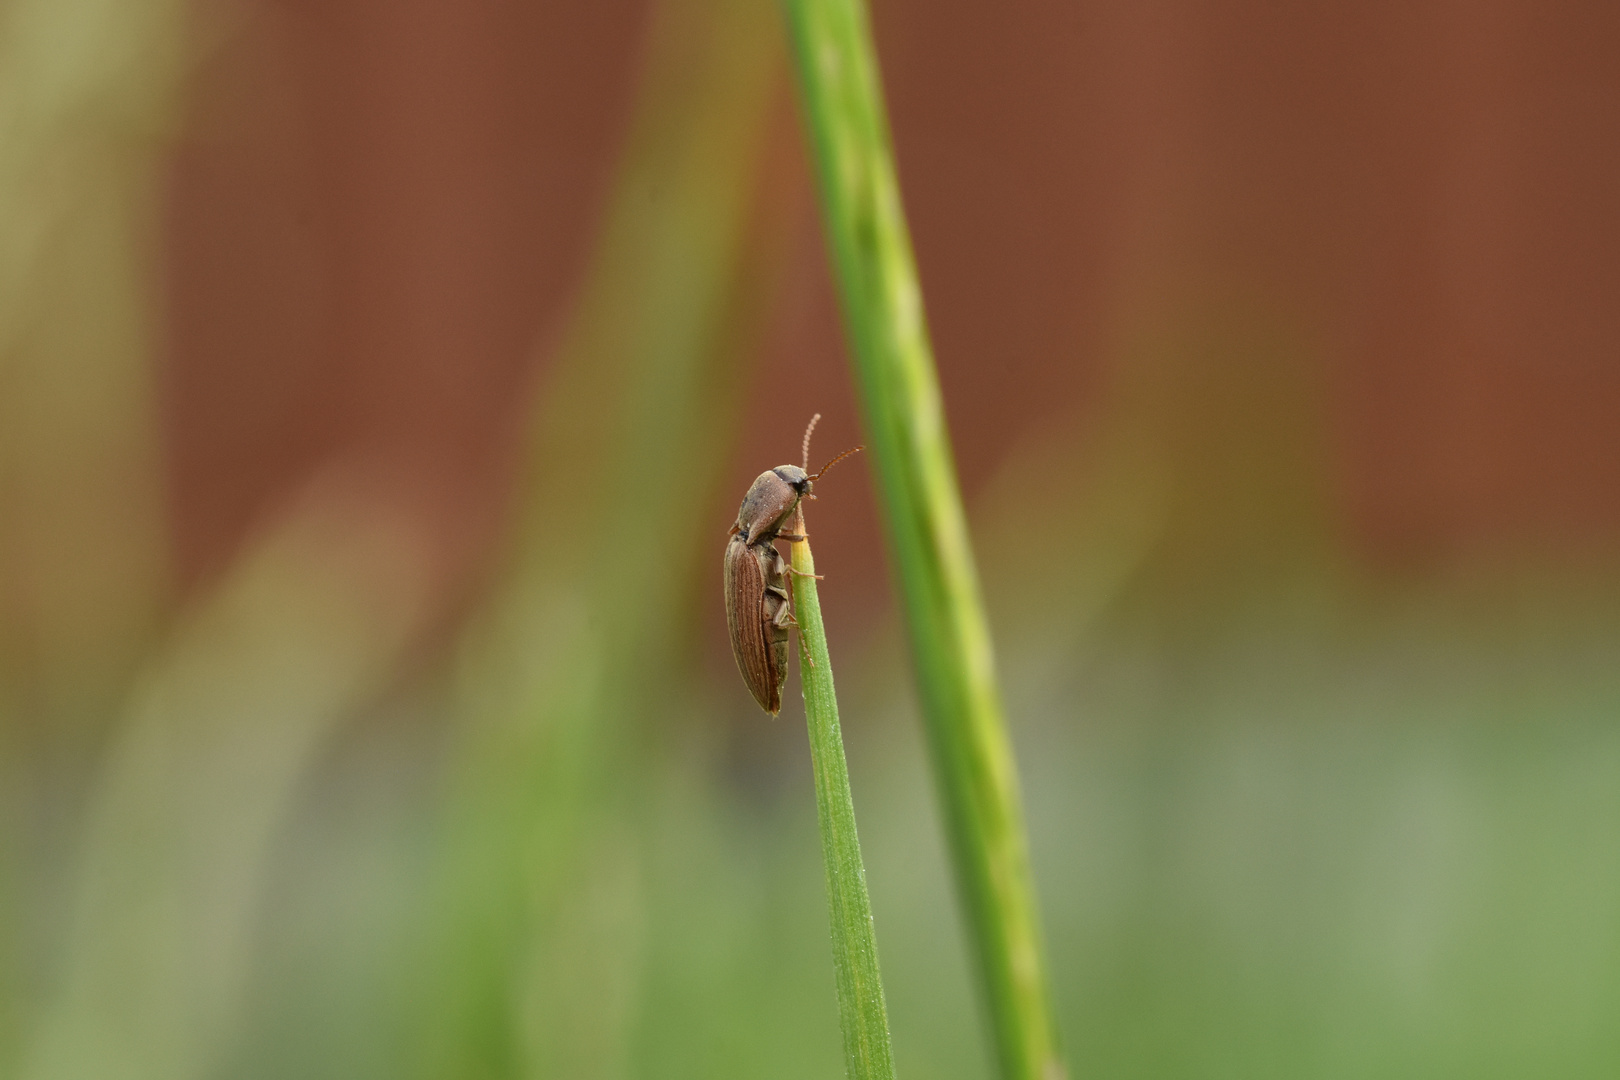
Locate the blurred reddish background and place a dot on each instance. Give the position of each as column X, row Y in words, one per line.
column 378, row 213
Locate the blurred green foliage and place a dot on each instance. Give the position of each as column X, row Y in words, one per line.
column 1289, row 816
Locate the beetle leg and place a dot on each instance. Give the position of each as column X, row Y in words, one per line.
column 783, row 616
column 784, row 619
column 782, row 566
column 790, row 537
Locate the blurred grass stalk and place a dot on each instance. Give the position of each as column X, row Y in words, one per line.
column 882, row 305
column 861, row 1010
column 89, row 94
column 88, row 97
column 203, row 768
column 535, row 936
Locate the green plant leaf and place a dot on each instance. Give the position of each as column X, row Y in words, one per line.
column 861, row 1011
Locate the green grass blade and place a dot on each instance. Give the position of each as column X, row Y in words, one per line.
column 882, row 306
column 861, row 1011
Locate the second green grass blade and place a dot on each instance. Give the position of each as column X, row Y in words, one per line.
column 882, row 305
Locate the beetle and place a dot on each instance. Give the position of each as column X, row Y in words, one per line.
column 759, row 598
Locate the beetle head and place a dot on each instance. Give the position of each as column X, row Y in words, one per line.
column 795, row 477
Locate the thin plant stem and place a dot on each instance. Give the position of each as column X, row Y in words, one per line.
column 861, row 1011
column 841, row 96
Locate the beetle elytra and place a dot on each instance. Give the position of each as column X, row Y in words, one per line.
column 759, row 597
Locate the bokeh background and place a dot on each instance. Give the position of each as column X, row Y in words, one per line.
column 377, row 385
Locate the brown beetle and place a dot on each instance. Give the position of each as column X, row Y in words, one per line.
column 759, row 600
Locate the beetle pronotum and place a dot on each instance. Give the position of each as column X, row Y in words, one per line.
column 759, row 598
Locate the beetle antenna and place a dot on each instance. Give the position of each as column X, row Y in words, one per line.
column 807, row 431
column 836, row 460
